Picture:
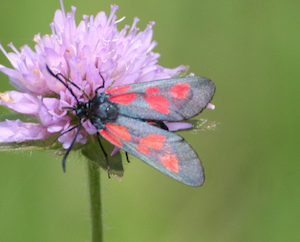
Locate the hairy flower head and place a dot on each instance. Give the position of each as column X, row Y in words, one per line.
column 79, row 53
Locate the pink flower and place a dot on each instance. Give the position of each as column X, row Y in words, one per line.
column 79, row 53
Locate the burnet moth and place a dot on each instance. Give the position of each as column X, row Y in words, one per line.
column 131, row 117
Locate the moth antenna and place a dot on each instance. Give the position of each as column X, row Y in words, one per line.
column 102, row 86
column 82, row 92
column 62, row 82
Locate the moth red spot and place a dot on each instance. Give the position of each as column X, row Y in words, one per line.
column 158, row 103
column 111, row 138
column 153, row 141
column 180, row 90
column 170, row 161
column 143, row 149
column 119, row 130
column 123, row 98
column 120, row 89
column 152, row 90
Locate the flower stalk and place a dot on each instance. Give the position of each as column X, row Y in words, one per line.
column 95, row 201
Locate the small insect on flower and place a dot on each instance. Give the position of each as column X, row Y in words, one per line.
column 121, row 104
column 132, row 117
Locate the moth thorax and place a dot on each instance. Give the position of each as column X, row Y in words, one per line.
column 104, row 112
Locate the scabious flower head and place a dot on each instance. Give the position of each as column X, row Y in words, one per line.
column 79, row 53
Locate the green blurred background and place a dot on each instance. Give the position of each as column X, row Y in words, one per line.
column 251, row 50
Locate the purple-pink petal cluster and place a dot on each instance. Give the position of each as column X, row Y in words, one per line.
column 17, row 131
column 79, row 52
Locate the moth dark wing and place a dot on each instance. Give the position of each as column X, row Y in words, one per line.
column 163, row 150
column 172, row 99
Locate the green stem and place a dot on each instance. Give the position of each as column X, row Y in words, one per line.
column 95, row 201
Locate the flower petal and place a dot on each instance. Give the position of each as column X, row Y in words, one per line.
column 210, row 106
column 174, row 126
column 18, row 131
column 20, row 102
column 115, row 150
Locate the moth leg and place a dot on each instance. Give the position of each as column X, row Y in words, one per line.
column 62, row 135
column 70, row 147
column 159, row 124
column 105, row 155
column 127, row 158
